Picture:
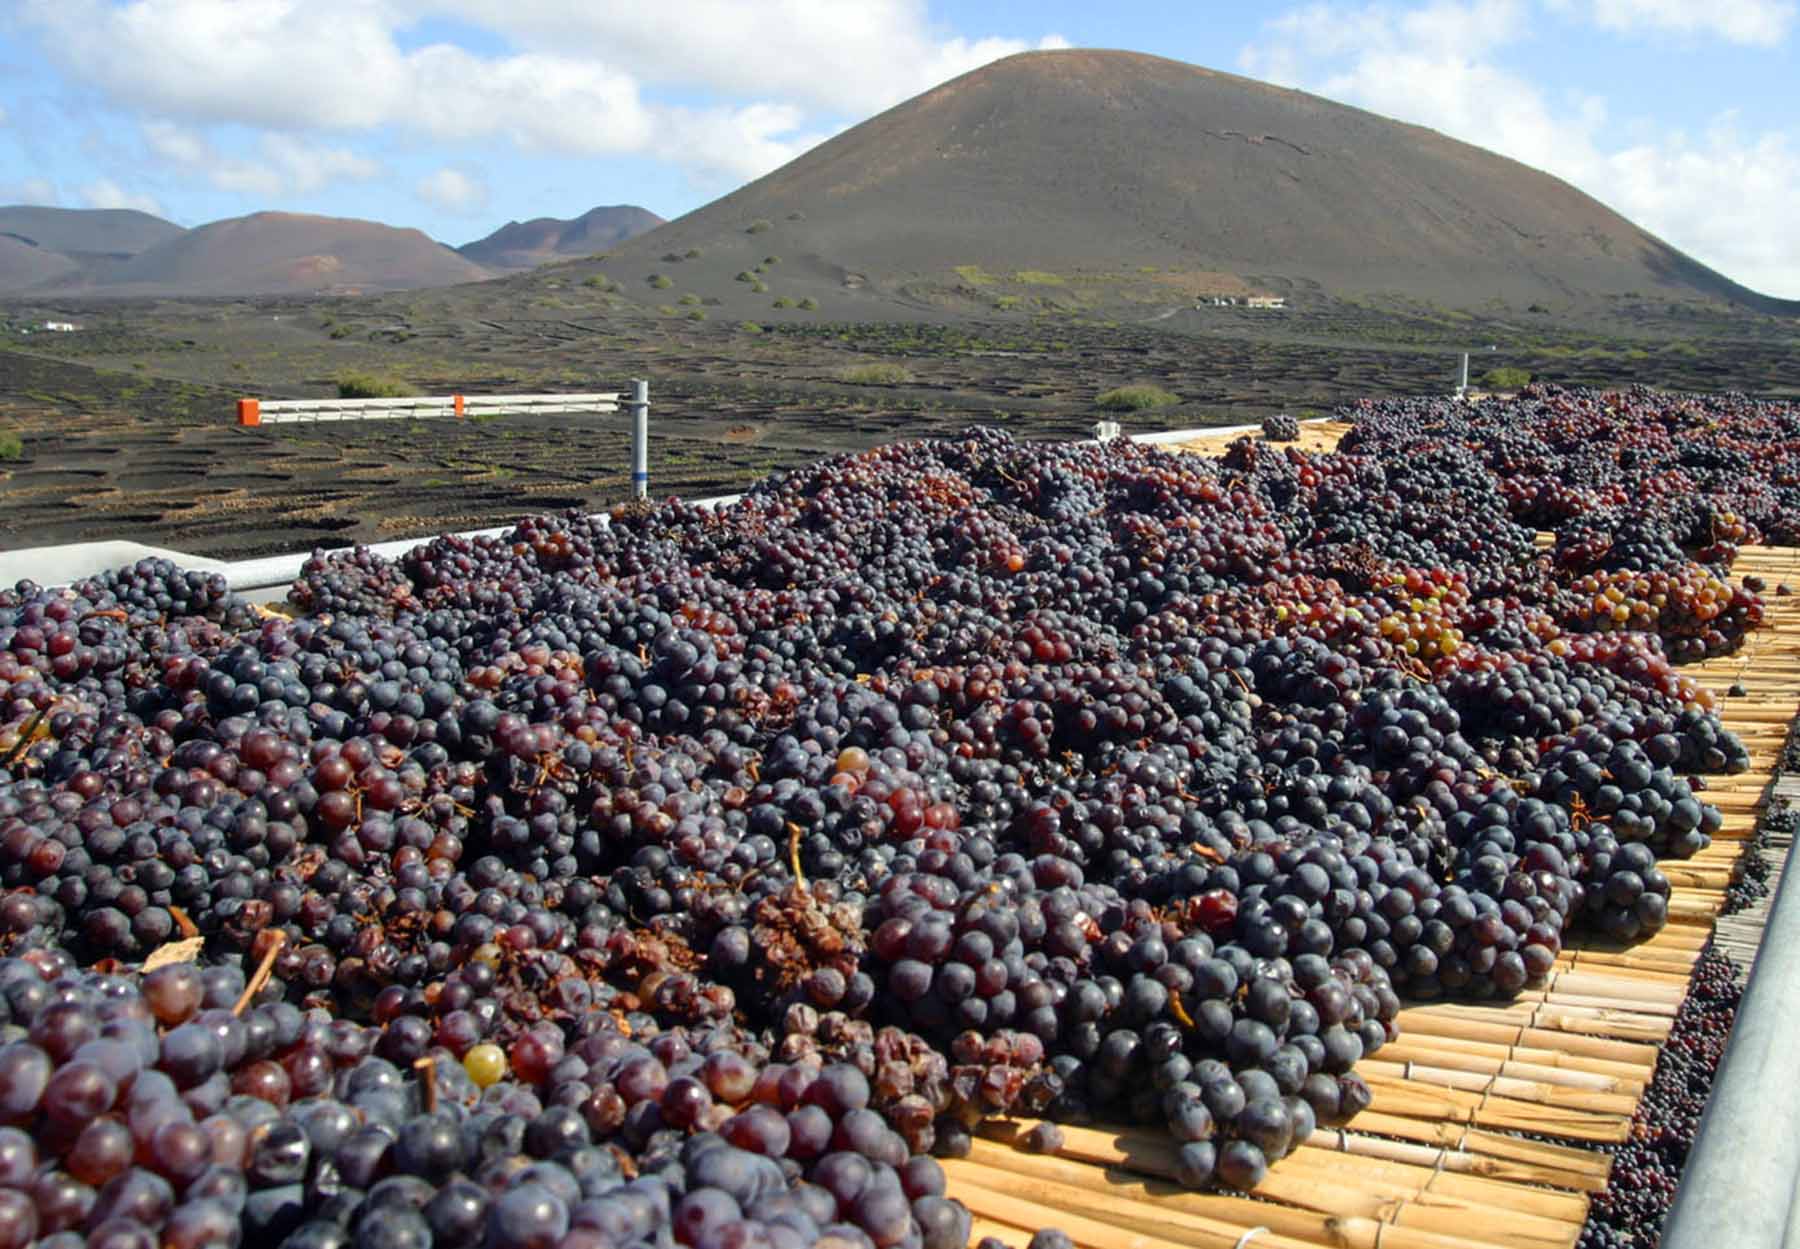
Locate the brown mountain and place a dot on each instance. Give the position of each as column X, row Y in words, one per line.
column 1067, row 175
column 25, row 265
column 76, row 231
column 273, row 253
column 528, row 244
column 44, row 247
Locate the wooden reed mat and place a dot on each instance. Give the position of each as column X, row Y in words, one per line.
column 1438, row 1160
column 1315, row 436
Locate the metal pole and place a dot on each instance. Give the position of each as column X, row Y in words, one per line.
column 640, row 438
column 1462, row 387
column 1737, row 1189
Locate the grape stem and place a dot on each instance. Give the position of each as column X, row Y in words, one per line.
column 427, row 1069
column 264, row 970
column 27, row 735
column 794, row 854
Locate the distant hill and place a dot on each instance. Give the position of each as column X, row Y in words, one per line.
column 528, row 244
column 1093, row 178
column 273, row 253
column 24, row 265
column 77, row 231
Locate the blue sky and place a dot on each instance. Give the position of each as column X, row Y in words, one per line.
column 457, row 115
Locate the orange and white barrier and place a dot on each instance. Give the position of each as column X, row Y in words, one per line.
column 254, row 413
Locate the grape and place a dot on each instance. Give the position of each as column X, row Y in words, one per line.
column 18, row 1157
column 1241, row 1165
column 760, row 1129
column 1196, row 1163
column 1266, row 1123
column 701, row 1214
column 18, row 1218
column 486, row 1063
column 78, row 1092
column 943, row 1224
column 407, row 1229
column 762, row 853
column 197, row 1223
column 25, row 1072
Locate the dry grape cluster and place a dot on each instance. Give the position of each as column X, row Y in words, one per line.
column 1281, row 428
column 696, row 875
column 1650, row 494
column 1646, row 1170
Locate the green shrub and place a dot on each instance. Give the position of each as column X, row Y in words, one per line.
column 692, row 253
column 1505, row 378
column 782, row 301
column 771, row 260
column 11, row 448
column 808, row 304
column 667, row 310
column 1141, row 397
column 882, row 373
column 689, row 300
column 758, row 288
column 341, row 331
column 696, row 314
column 750, row 327
column 660, row 282
column 761, row 225
column 744, row 275
column 372, row 386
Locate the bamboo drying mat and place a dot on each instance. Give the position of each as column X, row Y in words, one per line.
column 1435, row 1162
column 1315, row 436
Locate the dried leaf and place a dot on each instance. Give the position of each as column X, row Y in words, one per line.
column 184, row 951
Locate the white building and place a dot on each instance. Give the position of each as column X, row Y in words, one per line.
column 65, row 327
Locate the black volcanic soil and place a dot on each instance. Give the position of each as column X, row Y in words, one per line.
column 128, row 426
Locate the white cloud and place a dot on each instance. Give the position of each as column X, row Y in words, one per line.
column 851, row 57
column 740, row 143
column 285, row 165
column 177, row 144
column 30, row 191
column 571, row 87
column 282, row 64
column 105, row 193
column 539, row 101
column 454, row 190
column 1763, row 22
column 1707, row 195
